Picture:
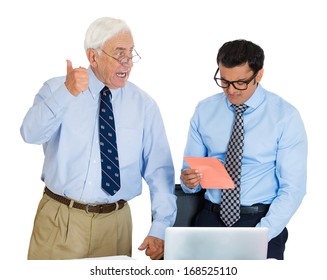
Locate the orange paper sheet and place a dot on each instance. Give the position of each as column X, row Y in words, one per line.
column 214, row 174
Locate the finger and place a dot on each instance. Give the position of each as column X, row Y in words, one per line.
column 191, row 172
column 196, row 176
column 190, row 181
column 69, row 66
column 155, row 253
column 143, row 246
column 193, row 182
column 157, row 256
column 188, row 171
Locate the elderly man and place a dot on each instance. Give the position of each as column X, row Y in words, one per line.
column 101, row 135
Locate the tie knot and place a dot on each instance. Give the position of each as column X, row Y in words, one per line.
column 240, row 109
column 105, row 91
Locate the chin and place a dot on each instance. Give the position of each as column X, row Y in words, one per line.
column 120, row 84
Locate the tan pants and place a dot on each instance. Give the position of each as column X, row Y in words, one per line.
column 61, row 232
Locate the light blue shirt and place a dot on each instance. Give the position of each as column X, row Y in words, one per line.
column 67, row 126
column 274, row 164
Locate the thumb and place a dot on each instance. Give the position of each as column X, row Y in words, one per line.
column 144, row 245
column 69, row 66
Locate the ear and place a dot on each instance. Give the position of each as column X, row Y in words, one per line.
column 92, row 56
column 259, row 76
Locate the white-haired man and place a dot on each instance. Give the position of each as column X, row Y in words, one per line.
column 79, row 216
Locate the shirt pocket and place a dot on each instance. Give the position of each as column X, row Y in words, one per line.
column 129, row 144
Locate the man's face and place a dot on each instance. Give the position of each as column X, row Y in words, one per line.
column 106, row 65
column 239, row 73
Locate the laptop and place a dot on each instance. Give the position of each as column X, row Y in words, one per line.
column 216, row 243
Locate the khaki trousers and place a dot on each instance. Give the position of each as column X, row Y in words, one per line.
column 61, row 232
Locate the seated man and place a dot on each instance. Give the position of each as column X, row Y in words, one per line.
column 261, row 140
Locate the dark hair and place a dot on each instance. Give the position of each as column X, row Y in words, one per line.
column 238, row 52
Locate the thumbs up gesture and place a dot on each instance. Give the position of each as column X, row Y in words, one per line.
column 77, row 79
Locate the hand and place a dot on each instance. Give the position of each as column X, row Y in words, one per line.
column 77, row 80
column 154, row 247
column 191, row 178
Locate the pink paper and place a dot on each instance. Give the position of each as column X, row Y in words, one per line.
column 214, row 174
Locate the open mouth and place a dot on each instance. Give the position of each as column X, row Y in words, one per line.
column 122, row 74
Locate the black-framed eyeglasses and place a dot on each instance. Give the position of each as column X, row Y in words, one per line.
column 240, row 85
column 124, row 59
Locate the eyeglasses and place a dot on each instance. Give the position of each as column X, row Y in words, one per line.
column 240, row 85
column 124, row 59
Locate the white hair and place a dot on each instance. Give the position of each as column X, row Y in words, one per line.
column 103, row 29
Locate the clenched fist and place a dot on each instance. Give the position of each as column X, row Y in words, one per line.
column 77, row 79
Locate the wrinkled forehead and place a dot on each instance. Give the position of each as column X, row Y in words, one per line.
column 121, row 41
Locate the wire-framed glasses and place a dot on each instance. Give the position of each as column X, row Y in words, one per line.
column 124, row 59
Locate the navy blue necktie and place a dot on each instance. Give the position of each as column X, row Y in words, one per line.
column 230, row 198
column 108, row 145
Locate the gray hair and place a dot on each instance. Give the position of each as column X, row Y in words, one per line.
column 103, row 29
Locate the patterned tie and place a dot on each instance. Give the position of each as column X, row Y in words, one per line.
column 108, row 145
column 230, row 200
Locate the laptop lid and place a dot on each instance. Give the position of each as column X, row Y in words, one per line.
column 216, row 243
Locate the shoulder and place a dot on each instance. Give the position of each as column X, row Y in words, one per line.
column 278, row 103
column 133, row 92
column 55, row 82
column 280, row 110
column 216, row 98
column 212, row 102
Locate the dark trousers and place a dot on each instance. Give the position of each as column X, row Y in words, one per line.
column 276, row 246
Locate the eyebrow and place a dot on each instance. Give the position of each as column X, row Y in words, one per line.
column 239, row 80
column 123, row 49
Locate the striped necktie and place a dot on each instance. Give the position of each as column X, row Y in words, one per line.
column 108, row 146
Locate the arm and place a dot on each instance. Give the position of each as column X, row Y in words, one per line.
column 45, row 116
column 190, row 178
column 158, row 172
column 291, row 172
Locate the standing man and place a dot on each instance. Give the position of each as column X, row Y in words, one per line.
column 101, row 135
column 261, row 140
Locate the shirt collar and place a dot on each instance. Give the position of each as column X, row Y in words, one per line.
column 95, row 86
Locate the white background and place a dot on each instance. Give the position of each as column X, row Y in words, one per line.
column 178, row 42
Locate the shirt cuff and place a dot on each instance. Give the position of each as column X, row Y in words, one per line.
column 158, row 230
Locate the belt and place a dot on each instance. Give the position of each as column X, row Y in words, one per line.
column 88, row 208
column 253, row 209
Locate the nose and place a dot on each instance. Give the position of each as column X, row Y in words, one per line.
column 127, row 61
column 231, row 88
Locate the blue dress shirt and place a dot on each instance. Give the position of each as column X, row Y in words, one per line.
column 274, row 164
column 67, row 126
